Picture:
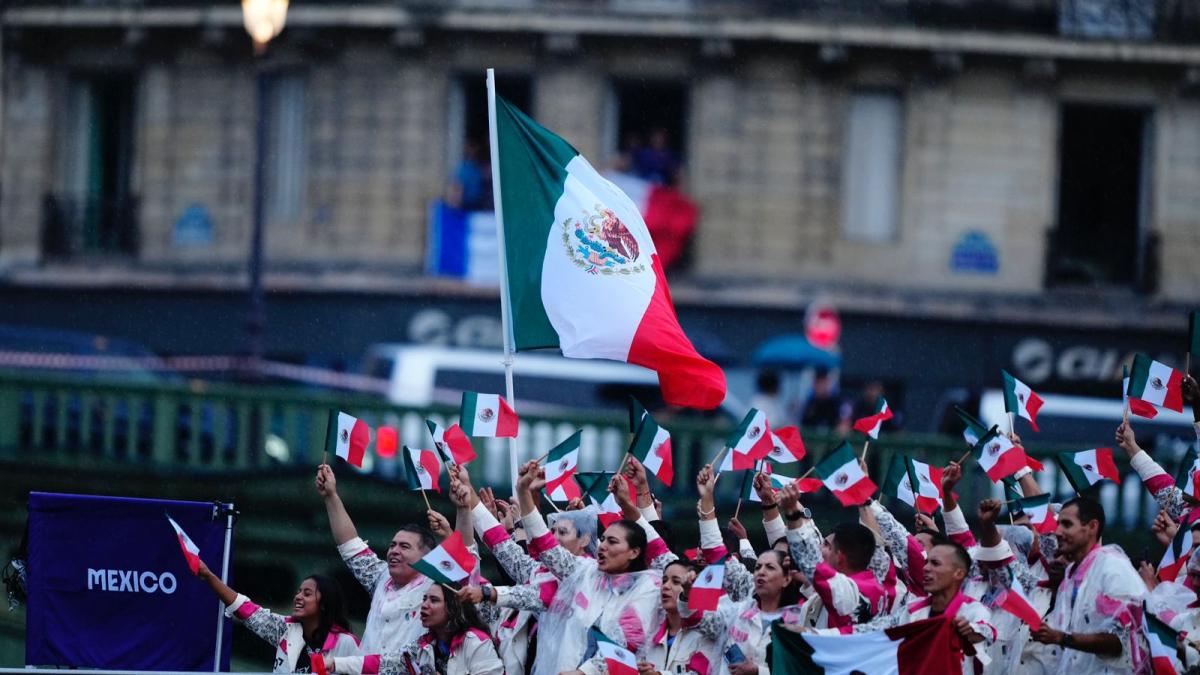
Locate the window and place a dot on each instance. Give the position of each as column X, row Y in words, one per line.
column 1104, row 162
column 469, row 142
column 649, row 136
column 871, row 167
column 287, row 146
column 92, row 208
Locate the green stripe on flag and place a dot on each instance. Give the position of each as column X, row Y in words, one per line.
column 1194, row 333
column 1010, row 393
column 843, row 455
column 897, row 470
column 466, row 412
column 533, row 172
column 565, row 448
column 1138, row 376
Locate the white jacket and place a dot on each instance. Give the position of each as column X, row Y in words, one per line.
column 395, row 617
column 286, row 635
column 471, row 653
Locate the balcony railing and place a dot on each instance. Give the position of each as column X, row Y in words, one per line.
column 73, row 226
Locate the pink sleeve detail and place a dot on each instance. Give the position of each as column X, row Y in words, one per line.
column 1117, row 609
column 712, row 555
column 820, row 581
column 365, row 551
column 494, row 536
column 541, row 544
column 964, row 539
column 547, row 590
column 1159, row 482
column 246, row 610
column 370, row 664
column 631, row 625
column 698, row 664
column 656, row 547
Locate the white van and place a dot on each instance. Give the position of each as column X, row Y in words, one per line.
column 544, row 384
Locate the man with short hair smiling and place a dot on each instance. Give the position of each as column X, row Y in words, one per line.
column 1095, row 623
column 397, row 590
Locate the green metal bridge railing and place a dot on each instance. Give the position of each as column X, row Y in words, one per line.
column 195, row 426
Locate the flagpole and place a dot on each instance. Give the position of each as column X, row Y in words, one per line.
column 1010, row 424
column 505, row 310
column 866, row 444
column 426, row 498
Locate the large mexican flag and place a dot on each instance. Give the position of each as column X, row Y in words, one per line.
column 928, row 647
column 583, row 274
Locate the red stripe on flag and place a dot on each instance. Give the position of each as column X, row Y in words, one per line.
column 1032, row 405
column 429, row 462
column 460, row 446
column 856, row 494
column 686, row 378
column 506, row 426
column 1174, row 398
column 1142, row 409
column 360, row 436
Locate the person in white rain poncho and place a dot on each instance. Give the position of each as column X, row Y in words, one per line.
column 517, row 608
column 680, row 645
column 1094, row 628
column 616, row 593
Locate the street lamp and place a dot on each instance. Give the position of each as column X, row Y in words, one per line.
column 264, row 20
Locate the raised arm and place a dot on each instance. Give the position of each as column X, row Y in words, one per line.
column 804, row 541
column 956, row 523
column 339, row 521
column 739, row 582
column 260, row 620
column 542, row 544
column 1158, row 482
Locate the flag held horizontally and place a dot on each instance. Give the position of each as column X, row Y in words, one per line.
column 191, row 552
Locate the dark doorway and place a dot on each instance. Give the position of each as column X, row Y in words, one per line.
column 652, row 127
column 1099, row 239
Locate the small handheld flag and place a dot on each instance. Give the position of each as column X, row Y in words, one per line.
column 749, row 442
column 844, row 477
column 1176, row 555
column 708, row 588
column 1164, row 656
column 620, row 661
column 1015, row 602
column 973, row 429
column 422, row 469
column 1041, row 516
column 652, row 447
column 487, row 416
column 905, row 472
column 449, row 563
column 871, row 424
column 1135, row 405
column 1156, row 383
column 595, row 485
column 191, row 552
column 787, row 446
column 998, row 456
column 1085, row 469
column 562, row 461
column 1020, row 399
column 347, row 437
column 1187, row 478
column 451, row 443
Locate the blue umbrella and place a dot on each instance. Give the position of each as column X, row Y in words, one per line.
column 794, row 351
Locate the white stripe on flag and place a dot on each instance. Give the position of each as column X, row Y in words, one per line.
column 654, row 461
column 1161, row 373
column 484, row 424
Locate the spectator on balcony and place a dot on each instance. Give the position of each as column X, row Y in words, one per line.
column 656, row 161
column 471, row 189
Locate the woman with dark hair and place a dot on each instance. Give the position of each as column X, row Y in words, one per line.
column 317, row 626
column 457, row 643
column 616, row 592
column 681, row 644
column 753, row 601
